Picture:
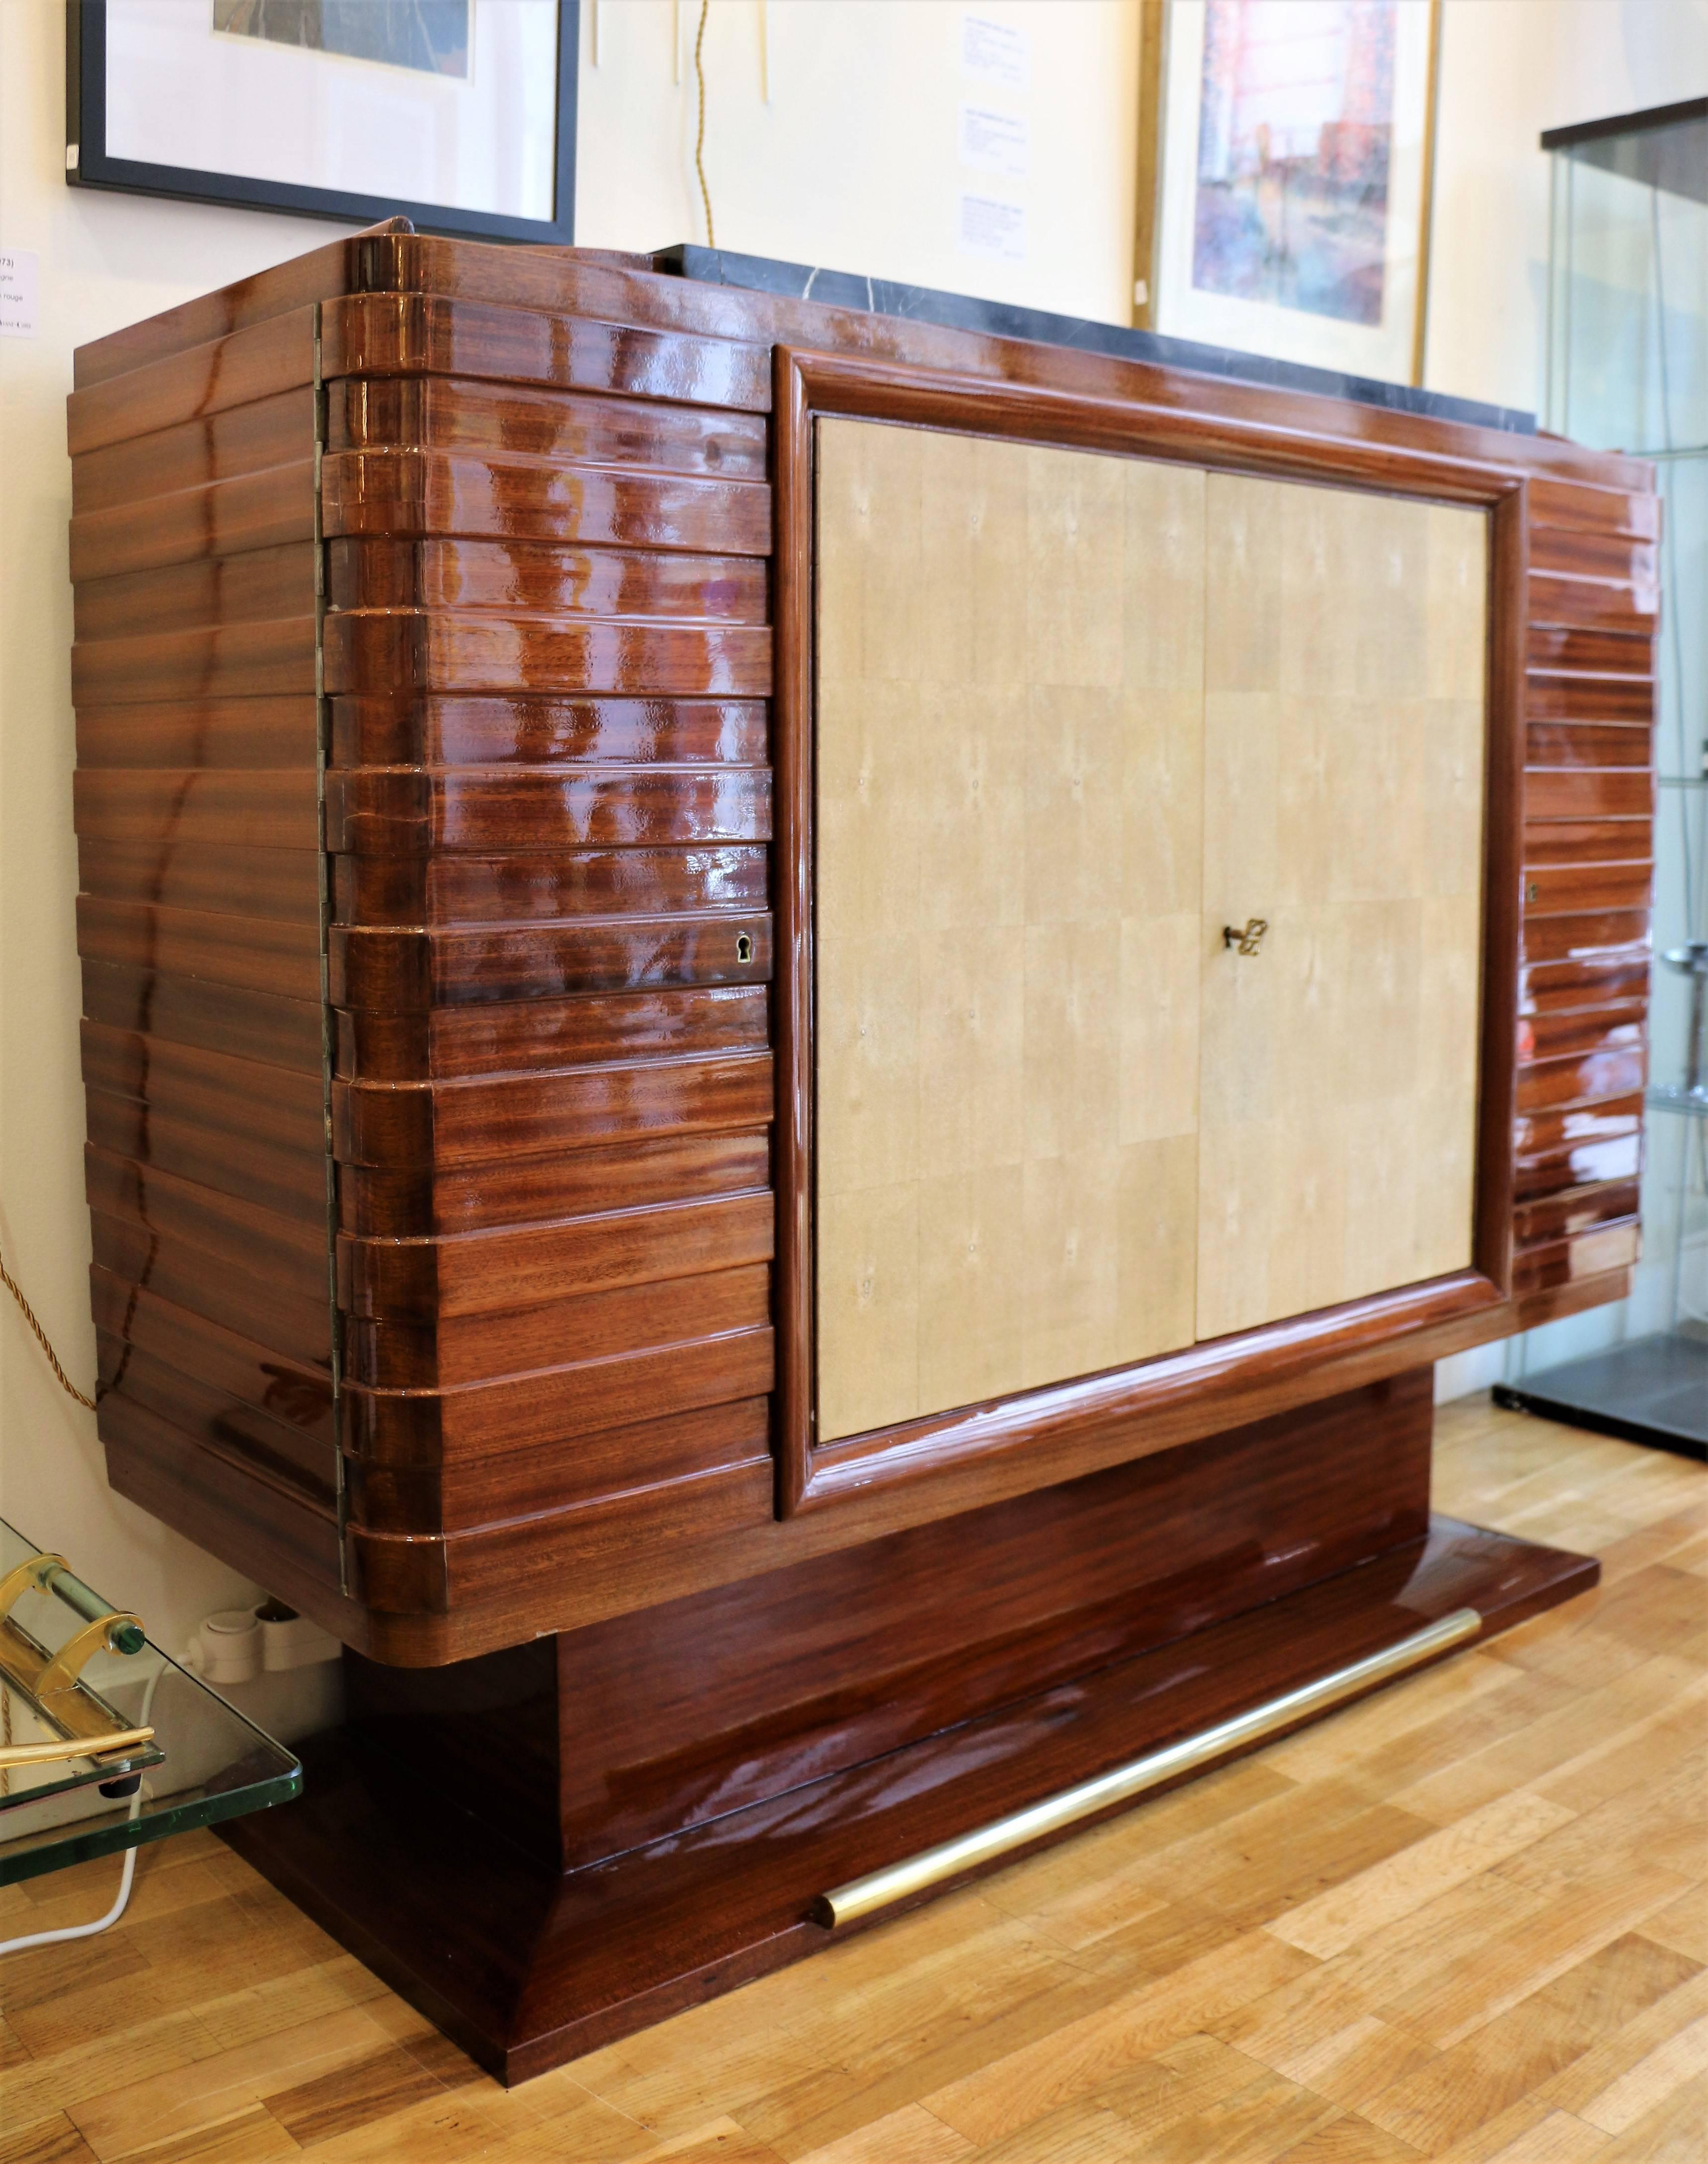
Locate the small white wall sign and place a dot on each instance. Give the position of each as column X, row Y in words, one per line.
column 994, row 142
column 995, row 52
column 19, row 284
column 990, row 227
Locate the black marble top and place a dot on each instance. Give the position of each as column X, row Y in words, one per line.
column 960, row 312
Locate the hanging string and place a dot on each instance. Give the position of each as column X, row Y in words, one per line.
column 65, row 1382
column 700, row 138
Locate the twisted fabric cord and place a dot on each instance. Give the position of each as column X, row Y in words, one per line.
column 65, row 1382
column 700, row 139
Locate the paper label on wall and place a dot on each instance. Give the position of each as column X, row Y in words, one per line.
column 995, row 52
column 19, row 285
column 990, row 227
column 994, row 142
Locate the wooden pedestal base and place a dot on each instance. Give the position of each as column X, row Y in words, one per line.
column 540, row 1896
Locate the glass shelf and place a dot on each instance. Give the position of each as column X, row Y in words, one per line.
column 1694, row 1103
column 205, row 1762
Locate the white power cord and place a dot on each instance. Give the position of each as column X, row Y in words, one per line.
column 112, row 1915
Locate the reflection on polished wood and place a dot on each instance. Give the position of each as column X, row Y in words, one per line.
column 558, row 522
column 1344, row 688
column 1465, row 1919
column 1009, row 805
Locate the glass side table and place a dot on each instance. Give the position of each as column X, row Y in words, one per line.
column 202, row 1763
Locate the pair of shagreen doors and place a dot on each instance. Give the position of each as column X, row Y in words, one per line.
column 1079, row 718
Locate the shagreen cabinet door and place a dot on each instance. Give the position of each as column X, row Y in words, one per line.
column 1343, row 782
column 1076, row 715
column 1009, row 715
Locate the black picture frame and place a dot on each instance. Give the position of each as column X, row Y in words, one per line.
column 89, row 165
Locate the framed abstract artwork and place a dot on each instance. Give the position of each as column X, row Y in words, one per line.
column 1293, row 178
column 460, row 115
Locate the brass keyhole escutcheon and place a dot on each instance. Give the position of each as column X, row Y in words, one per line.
column 744, row 947
column 1248, row 941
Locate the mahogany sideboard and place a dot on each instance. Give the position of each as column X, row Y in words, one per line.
column 800, row 1029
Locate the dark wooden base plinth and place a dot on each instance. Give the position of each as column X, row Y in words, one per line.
column 525, row 1965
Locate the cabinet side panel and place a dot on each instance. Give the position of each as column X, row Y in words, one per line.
column 198, row 835
column 1588, row 869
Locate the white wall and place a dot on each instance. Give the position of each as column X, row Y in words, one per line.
column 852, row 164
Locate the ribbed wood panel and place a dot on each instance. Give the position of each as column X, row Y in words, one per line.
column 549, row 806
column 199, row 924
column 1583, row 1037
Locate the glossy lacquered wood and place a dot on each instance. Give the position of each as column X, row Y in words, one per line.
column 1602, row 510
column 494, row 886
column 282, row 1032
column 1581, row 554
column 1587, row 604
column 719, row 1700
column 526, row 1969
column 544, row 578
column 548, row 576
column 241, row 660
column 453, row 1124
column 235, row 370
column 188, row 1388
column 419, row 335
column 257, row 586
column 396, row 972
column 392, row 1353
column 431, row 1198
column 519, row 810
column 276, row 883
column 257, row 808
column 264, row 510
column 442, row 1043
column 376, row 728
column 1551, row 744
column 241, row 440
column 1560, row 889
column 462, row 1493
column 447, row 650
column 410, row 492
column 192, row 734
column 480, row 1272
column 372, row 412
column 1583, row 696
column 1601, row 653
column 196, row 587
column 249, row 953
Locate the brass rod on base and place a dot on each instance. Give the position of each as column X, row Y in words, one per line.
column 880, row 1889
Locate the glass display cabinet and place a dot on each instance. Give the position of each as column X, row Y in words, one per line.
column 1627, row 368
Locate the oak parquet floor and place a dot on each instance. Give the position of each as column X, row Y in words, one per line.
column 1466, row 1921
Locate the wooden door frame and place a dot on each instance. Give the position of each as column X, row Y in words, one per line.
column 1096, row 1420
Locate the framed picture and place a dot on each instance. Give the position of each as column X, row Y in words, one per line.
column 460, row 115
column 1294, row 178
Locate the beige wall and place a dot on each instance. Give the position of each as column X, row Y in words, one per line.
column 853, row 164
column 1511, row 68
